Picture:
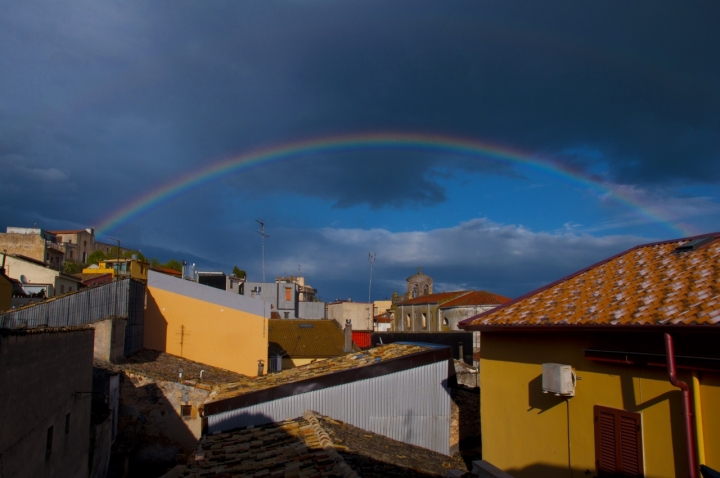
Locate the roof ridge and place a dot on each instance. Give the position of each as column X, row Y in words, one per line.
column 327, row 444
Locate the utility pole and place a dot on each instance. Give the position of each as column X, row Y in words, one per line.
column 262, row 233
column 117, row 273
column 371, row 260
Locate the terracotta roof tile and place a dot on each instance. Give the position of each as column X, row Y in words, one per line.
column 478, row 297
column 647, row 285
column 319, row 368
column 440, row 297
column 293, row 448
column 307, row 338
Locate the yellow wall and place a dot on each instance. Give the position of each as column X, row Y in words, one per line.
column 138, row 269
column 6, row 289
column 525, row 432
column 210, row 333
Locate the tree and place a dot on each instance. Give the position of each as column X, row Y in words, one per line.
column 71, row 267
column 173, row 264
column 96, row 257
column 239, row 273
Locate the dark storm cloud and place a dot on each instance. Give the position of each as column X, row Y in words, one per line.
column 141, row 93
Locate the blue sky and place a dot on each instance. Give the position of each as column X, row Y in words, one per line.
column 102, row 102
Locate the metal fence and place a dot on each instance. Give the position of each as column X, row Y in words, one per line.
column 122, row 298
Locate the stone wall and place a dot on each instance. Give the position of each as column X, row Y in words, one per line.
column 45, row 377
column 109, row 339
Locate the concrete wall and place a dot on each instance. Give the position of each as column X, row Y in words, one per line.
column 206, row 325
column 29, row 245
column 311, row 310
column 526, row 432
column 41, row 374
column 450, row 317
column 109, row 339
column 358, row 313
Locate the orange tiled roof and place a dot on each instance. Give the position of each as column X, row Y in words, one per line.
column 478, row 297
column 435, row 298
column 646, row 285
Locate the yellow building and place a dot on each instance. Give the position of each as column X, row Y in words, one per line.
column 205, row 324
column 575, row 377
column 134, row 268
column 299, row 342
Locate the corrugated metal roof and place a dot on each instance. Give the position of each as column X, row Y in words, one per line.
column 307, row 338
column 650, row 284
column 478, row 297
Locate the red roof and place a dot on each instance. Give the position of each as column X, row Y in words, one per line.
column 651, row 285
column 439, row 298
column 478, row 297
column 165, row 270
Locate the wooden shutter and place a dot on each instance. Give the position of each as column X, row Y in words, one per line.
column 618, row 443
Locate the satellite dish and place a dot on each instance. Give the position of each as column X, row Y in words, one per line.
column 23, row 279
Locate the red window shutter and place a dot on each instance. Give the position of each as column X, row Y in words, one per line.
column 618, row 443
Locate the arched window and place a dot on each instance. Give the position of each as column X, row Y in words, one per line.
column 424, row 321
column 415, row 291
column 407, row 322
column 426, row 289
column 446, row 321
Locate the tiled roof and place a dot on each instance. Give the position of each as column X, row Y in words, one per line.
column 165, row 270
column 68, row 231
column 478, row 297
column 647, row 285
column 319, row 368
column 307, row 338
column 166, row 367
column 293, row 448
column 435, row 298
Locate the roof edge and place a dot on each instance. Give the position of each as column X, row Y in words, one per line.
column 466, row 323
column 594, row 328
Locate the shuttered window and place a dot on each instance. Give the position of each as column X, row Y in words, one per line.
column 618, row 443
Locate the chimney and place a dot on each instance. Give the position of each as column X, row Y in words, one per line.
column 348, row 336
column 261, row 367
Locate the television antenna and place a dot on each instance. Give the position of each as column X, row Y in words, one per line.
column 262, row 233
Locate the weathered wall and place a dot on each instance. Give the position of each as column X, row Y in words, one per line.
column 530, row 429
column 29, row 245
column 450, row 317
column 359, row 313
column 416, row 313
column 204, row 324
column 40, row 376
column 109, row 339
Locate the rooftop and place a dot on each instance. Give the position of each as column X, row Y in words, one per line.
column 166, row 367
column 320, row 368
column 309, row 446
column 321, row 338
column 651, row 284
column 477, row 297
column 438, row 298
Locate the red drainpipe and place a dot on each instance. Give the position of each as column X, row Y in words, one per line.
column 686, row 405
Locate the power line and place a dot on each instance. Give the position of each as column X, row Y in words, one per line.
column 262, row 233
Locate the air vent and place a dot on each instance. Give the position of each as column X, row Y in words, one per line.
column 694, row 244
column 306, row 326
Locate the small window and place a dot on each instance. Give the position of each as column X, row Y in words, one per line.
column 47, row 256
column 67, row 424
column 288, row 293
column 48, row 443
column 407, row 321
column 424, row 321
column 84, row 243
column 231, row 284
column 618, row 442
column 446, row 321
column 71, row 254
column 186, row 411
column 286, row 314
column 415, row 291
column 62, row 289
column 426, row 290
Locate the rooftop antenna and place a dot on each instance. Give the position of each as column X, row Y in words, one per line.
column 262, row 233
column 117, row 272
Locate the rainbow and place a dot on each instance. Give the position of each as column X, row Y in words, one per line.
column 370, row 142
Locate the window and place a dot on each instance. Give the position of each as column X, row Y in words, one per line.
column 286, row 314
column 288, row 293
column 186, row 411
column 71, row 254
column 67, row 424
column 48, row 443
column 47, row 256
column 62, row 289
column 424, row 321
column 618, row 443
column 415, row 291
column 231, row 284
column 446, row 321
column 426, row 290
column 84, row 257
column 84, row 243
column 407, row 321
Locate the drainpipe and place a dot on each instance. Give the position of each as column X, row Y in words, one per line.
column 686, row 405
column 697, row 408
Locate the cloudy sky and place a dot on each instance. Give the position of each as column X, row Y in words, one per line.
column 611, row 112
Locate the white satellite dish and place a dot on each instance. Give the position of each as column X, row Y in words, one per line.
column 23, row 279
